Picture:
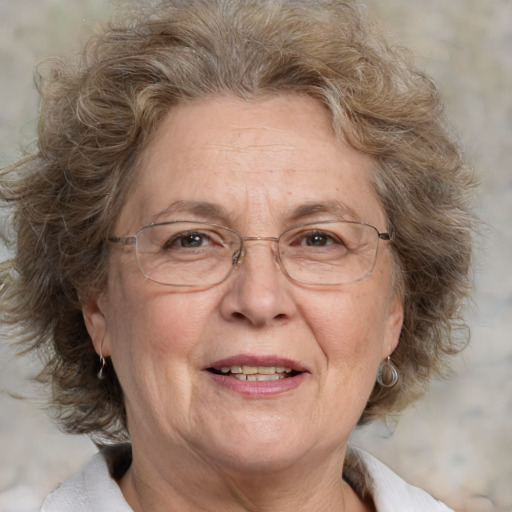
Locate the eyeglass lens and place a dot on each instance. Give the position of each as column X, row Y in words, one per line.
column 194, row 254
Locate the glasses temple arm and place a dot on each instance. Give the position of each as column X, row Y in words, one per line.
column 123, row 240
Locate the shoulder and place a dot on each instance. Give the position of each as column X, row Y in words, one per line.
column 92, row 490
column 389, row 492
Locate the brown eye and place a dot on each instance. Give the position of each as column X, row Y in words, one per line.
column 189, row 240
column 192, row 240
column 316, row 239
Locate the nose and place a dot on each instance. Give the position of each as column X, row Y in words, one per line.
column 258, row 292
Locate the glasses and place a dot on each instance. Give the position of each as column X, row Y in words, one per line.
column 194, row 254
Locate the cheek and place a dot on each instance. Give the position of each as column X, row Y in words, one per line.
column 349, row 327
column 156, row 339
column 151, row 326
column 350, row 337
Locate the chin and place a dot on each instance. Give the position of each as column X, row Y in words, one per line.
column 262, row 449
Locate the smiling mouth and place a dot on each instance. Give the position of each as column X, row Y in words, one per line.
column 255, row 373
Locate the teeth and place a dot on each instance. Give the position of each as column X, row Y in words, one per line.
column 255, row 377
column 232, row 369
column 241, row 372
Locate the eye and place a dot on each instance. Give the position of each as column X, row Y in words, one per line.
column 316, row 239
column 191, row 240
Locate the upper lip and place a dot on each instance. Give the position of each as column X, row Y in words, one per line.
column 255, row 360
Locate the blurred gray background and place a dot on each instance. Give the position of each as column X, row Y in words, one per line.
column 457, row 441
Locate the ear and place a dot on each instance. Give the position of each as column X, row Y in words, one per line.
column 394, row 324
column 96, row 323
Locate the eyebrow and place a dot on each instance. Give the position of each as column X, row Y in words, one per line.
column 334, row 209
column 200, row 209
column 211, row 212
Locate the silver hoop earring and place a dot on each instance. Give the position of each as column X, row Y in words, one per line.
column 387, row 375
column 102, row 366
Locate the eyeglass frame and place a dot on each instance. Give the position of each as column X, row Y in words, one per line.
column 131, row 240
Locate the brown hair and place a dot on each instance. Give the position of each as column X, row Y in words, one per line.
column 98, row 111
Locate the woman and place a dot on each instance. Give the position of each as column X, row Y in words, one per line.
column 245, row 231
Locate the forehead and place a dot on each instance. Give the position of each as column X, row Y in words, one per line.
column 249, row 161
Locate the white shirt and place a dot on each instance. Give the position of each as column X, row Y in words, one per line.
column 94, row 490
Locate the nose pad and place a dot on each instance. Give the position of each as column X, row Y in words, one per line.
column 238, row 257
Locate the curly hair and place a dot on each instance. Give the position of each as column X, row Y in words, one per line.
column 99, row 109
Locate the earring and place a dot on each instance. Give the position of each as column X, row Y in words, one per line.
column 387, row 375
column 102, row 366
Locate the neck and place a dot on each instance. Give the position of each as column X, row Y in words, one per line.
column 176, row 485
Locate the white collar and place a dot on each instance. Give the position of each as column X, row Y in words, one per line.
column 94, row 490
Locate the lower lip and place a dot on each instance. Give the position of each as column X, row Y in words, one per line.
column 259, row 389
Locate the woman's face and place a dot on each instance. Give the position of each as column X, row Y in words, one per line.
column 256, row 167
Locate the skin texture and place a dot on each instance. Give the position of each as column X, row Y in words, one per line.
column 199, row 445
